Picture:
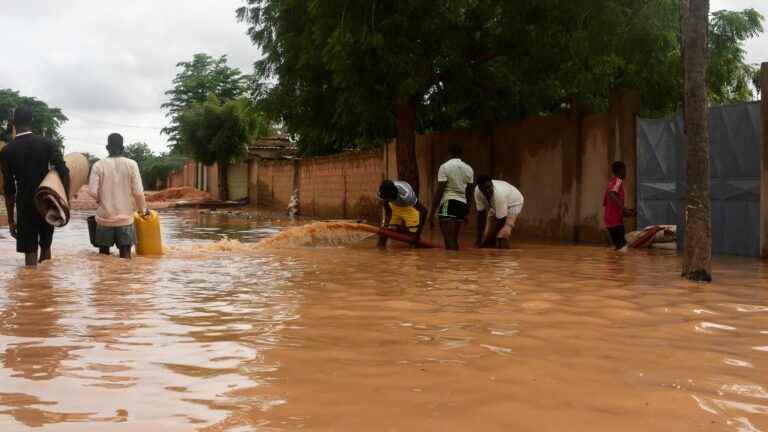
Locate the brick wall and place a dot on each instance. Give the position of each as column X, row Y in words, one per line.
column 560, row 164
column 341, row 185
column 187, row 176
column 338, row 186
column 274, row 183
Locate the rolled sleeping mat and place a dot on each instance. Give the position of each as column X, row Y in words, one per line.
column 51, row 200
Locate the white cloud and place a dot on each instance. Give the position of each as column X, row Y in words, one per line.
column 107, row 64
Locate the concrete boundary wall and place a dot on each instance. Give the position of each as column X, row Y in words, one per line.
column 560, row 163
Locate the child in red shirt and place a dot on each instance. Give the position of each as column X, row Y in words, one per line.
column 613, row 205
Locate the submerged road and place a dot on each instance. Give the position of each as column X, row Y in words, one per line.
column 224, row 336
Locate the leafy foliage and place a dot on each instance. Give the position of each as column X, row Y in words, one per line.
column 155, row 168
column 139, row 152
column 332, row 73
column 730, row 78
column 47, row 120
column 218, row 131
column 197, row 79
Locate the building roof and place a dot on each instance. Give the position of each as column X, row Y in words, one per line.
column 271, row 143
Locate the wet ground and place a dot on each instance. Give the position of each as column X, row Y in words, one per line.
column 231, row 337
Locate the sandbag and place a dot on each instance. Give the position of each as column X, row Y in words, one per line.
column 50, row 199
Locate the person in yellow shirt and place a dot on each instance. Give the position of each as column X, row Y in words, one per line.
column 402, row 210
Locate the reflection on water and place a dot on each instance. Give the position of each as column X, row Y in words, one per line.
column 353, row 338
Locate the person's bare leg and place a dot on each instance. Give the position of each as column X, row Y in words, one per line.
column 502, row 243
column 104, row 250
column 30, row 259
column 450, row 230
column 125, row 252
column 45, row 254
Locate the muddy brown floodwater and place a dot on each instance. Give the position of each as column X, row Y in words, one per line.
column 232, row 337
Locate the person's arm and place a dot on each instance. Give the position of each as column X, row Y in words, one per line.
column 385, row 223
column 9, row 188
column 94, row 184
column 470, row 198
column 626, row 212
column 436, row 199
column 387, row 214
column 482, row 218
column 615, row 197
column 137, row 189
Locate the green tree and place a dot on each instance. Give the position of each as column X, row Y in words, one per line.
column 218, row 131
column 139, row 152
column 348, row 72
column 158, row 168
column 47, row 120
column 730, row 78
column 202, row 76
column 154, row 168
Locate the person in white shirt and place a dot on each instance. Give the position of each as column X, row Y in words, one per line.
column 115, row 183
column 498, row 206
column 453, row 196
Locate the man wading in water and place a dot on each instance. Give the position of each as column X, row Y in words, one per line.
column 498, row 206
column 402, row 210
column 453, row 196
column 115, row 183
column 25, row 161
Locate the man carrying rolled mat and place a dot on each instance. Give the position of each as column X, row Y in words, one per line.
column 115, row 183
column 25, row 161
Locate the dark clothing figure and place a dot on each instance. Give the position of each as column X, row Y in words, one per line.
column 25, row 162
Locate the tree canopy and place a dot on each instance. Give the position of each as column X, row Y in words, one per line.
column 47, row 120
column 218, row 132
column 730, row 78
column 139, row 152
column 197, row 79
column 336, row 74
column 154, row 168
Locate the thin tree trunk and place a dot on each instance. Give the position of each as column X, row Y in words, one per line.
column 697, row 257
column 407, row 166
column 683, row 16
column 224, row 182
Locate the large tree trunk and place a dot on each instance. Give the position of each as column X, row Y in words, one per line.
column 697, row 258
column 224, row 182
column 407, row 166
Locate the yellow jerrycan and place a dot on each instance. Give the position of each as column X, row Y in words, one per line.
column 148, row 240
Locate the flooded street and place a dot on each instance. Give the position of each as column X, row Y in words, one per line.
column 232, row 337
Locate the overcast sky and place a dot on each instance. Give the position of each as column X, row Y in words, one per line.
column 107, row 63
